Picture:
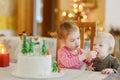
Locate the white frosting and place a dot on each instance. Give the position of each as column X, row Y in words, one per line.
column 34, row 65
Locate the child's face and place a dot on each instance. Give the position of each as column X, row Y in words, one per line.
column 73, row 41
column 102, row 48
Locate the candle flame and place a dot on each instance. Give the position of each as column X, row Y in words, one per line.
column 3, row 50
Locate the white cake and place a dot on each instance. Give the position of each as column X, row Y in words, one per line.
column 34, row 65
column 35, row 60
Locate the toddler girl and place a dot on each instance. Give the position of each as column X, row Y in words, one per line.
column 71, row 56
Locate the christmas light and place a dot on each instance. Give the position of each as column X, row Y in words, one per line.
column 75, row 0
column 78, row 12
column 64, row 13
column 70, row 15
column 75, row 5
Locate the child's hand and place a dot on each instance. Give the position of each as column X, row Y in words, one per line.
column 90, row 67
column 107, row 71
column 82, row 57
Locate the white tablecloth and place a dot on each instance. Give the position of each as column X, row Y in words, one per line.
column 5, row 74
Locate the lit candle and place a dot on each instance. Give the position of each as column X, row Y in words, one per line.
column 4, row 57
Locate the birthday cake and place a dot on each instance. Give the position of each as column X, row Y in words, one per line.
column 35, row 60
column 34, row 65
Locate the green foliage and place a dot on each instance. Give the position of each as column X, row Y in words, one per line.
column 24, row 45
column 30, row 50
column 54, row 66
column 44, row 50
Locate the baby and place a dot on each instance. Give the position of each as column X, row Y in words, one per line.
column 104, row 45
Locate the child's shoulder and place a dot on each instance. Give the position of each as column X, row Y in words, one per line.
column 63, row 49
column 112, row 59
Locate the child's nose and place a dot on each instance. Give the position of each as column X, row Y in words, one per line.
column 77, row 41
column 96, row 47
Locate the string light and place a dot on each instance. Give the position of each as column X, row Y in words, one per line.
column 70, row 15
column 75, row 0
column 64, row 13
column 75, row 5
column 78, row 12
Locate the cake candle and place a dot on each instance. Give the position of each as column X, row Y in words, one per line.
column 4, row 57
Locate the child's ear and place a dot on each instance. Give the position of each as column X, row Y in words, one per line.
column 110, row 49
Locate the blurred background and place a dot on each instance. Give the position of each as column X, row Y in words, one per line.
column 42, row 17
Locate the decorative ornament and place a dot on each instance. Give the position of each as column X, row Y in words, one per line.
column 44, row 50
column 30, row 50
column 24, row 45
column 55, row 68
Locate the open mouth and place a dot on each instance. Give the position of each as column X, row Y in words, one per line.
column 77, row 46
column 97, row 53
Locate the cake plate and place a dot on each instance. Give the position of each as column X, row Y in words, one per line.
column 52, row 75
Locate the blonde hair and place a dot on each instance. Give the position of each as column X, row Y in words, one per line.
column 65, row 29
column 108, row 38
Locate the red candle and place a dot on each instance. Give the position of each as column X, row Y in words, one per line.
column 4, row 57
